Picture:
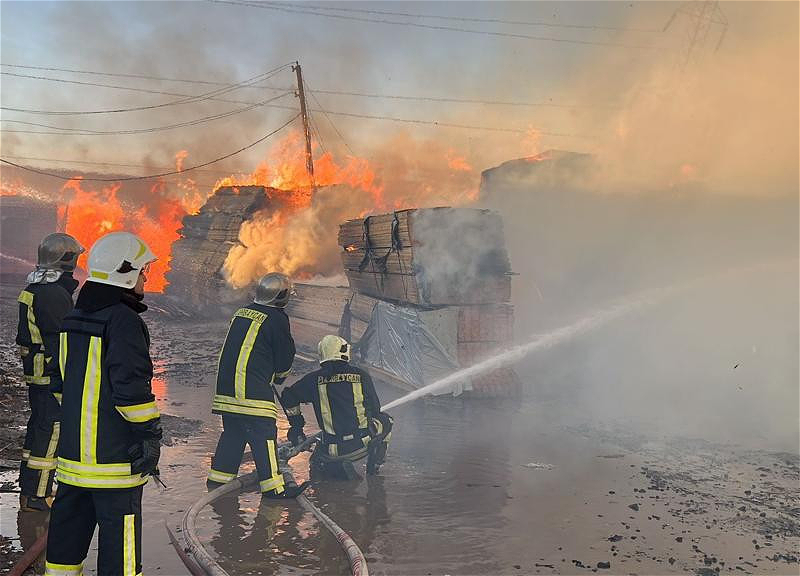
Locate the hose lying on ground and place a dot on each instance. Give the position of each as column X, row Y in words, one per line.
column 30, row 556
column 194, row 556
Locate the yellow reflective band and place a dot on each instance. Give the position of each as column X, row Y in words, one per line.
column 39, row 380
column 325, row 409
column 244, row 358
column 139, row 412
column 358, row 403
column 128, row 546
column 275, row 483
column 98, row 274
column 253, row 315
column 273, row 460
column 101, row 482
column 38, row 365
column 62, row 353
column 247, row 410
column 27, row 298
column 57, row 396
column 84, row 469
column 142, row 250
column 41, row 463
column 90, row 402
column 294, row 411
column 50, row 459
column 53, row 569
column 26, row 454
column 221, row 477
column 333, row 449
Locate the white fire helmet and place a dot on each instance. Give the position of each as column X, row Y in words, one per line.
column 333, row 347
column 118, row 258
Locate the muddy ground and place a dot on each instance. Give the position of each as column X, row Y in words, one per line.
column 470, row 487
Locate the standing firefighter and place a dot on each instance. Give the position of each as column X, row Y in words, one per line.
column 42, row 306
column 110, row 425
column 257, row 354
column 347, row 409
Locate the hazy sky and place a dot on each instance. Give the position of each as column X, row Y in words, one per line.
column 583, row 60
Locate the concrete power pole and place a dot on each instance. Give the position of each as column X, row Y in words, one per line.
column 304, row 114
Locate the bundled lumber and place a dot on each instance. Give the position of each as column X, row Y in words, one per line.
column 196, row 276
column 428, row 257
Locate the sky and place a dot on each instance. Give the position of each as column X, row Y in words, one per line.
column 575, row 67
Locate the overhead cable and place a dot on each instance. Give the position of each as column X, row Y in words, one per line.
column 151, row 176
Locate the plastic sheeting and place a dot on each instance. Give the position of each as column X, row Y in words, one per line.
column 399, row 341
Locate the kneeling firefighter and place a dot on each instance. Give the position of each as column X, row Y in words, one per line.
column 42, row 306
column 257, row 354
column 110, row 424
column 348, row 412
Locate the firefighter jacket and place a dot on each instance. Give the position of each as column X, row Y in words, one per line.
column 103, row 384
column 42, row 307
column 258, row 352
column 344, row 401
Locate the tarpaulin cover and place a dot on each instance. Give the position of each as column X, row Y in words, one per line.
column 400, row 342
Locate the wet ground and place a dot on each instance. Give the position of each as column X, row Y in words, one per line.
column 469, row 488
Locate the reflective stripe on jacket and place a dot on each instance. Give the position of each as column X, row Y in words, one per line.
column 258, row 351
column 105, row 394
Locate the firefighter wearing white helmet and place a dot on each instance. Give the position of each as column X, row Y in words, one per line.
column 110, row 425
column 43, row 303
column 348, row 412
column 257, row 354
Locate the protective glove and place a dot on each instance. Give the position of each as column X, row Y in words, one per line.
column 296, row 436
column 145, row 455
column 292, row 491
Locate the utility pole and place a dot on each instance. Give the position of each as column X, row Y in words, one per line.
column 304, row 114
column 703, row 16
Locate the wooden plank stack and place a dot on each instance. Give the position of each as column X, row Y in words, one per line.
column 196, row 276
column 398, row 257
column 315, row 311
column 417, row 258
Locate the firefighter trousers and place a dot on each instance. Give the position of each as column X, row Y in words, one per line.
column 261, row 434
column 38, row 464
column 74, row 515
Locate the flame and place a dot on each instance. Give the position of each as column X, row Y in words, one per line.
column 457, row 163
column 180, row 156
column 350, row 248
column 90, row 214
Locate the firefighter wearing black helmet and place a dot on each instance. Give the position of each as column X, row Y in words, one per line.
column 42, row 306
column 110, row 424
column 257, row 355
column 348, row 412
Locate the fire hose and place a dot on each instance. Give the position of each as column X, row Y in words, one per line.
column 200, row 563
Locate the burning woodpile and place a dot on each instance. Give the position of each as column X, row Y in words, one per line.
column 431, row 292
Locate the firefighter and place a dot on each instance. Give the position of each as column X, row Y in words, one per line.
column 110, row 425
column 257, row 355
column 348, row 412
column 42, row 306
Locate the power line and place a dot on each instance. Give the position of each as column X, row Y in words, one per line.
column 538, row 23
column 331, row 122
column 298, row 10
column 331, row 112
column 151, row 176
column 118, row 164
column 359, row 94
column 86, row 132
column 185, row 100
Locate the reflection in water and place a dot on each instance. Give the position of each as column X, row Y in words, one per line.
column 31, row 525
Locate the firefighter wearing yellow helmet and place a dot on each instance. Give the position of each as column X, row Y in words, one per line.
column 110, row 425
column 347, row 409
column 42, row 306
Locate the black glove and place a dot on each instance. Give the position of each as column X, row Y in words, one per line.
column 145, row 455
column 296, row 436
column 289, row 491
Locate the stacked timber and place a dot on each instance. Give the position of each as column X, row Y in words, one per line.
column 196, row 275
column 431, row 293
column 428, row 257
column 315, row 311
